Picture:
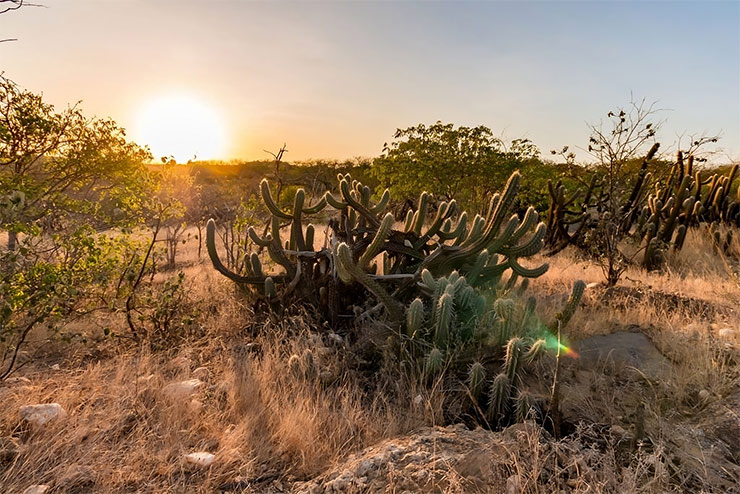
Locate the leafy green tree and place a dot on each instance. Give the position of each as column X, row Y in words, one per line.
column 63, row 179
column 66, row 168
column 49, row 282
column 465, row 163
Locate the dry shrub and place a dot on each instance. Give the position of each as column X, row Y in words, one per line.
column 253, row 413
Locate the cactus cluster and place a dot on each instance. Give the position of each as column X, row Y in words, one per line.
column 364, row 250
column 452, row 321
column 656, row 213
column 450, row 285
column 683, row 201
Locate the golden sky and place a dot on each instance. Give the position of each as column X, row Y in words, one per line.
column 335, row 79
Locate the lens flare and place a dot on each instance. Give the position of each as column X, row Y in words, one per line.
column 554, row 346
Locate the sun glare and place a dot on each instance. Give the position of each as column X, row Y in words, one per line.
column 181, row 126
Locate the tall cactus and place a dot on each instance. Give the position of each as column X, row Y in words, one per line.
column 364, row 249
column 657, row 212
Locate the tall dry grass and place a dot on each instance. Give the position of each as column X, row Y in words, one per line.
column 264, row 422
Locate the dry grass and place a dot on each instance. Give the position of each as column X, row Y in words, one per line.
column 266, row 423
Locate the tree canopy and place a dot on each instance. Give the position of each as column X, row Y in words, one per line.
column 57, row 165
column 465, row 163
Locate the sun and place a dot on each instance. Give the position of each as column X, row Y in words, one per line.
column 181, row 126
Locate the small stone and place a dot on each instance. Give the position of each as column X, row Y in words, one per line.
column 513, row 485
column 336, row 338
column 199, row 459
column 195, row 405
column 726, row 333
column 418, row 400
column 593, row 285
column 704, row 394
column 38, row 415
column 182, row 389
column 201, row 373
column 55, row 367
column 619, row 431
column 77, row 478
column 36, row 489
column 17, row 380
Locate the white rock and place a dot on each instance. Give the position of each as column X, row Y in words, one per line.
column 55, row 367
column 704, row 394
column 36, row 489
column 619, row 431
column 17, row 380
column 726, row 333
column 38, row 415
column 199, row 459
column 513, row 485
column 418, row 400
column 182, row 389
column 195, row 406
column 201, row 373
column 590, row 286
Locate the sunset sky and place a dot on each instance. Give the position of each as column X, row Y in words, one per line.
column 335, row 79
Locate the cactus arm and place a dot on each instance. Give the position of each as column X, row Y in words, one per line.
column 502, row 209
column 382, row 203
column 477, row 268
column 277, row 254
column 310, row 232
column 492, row 272
column 527, row 272
column 262, row 242
column 409, row 221
column 531, row 247
column 297, row 241
column 356, row 205
column 498, row 243
column 270, row 202
column 427, row 281
column 460, row 231
column 499, row 395
column 420, row 214
column 414, row 318
column 294, row 282
column 475, row 231
column 571, row 306
column 443, row 213
column 344, row 257
column 443, row 316
column 530, row 220
column 333, row 202
column 219, row 266
column 316, row 208
column 269, row 288
column 383, row 231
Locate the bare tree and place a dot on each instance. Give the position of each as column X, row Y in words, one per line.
column 626, row 136
column 8, row 5
column 278, row 157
